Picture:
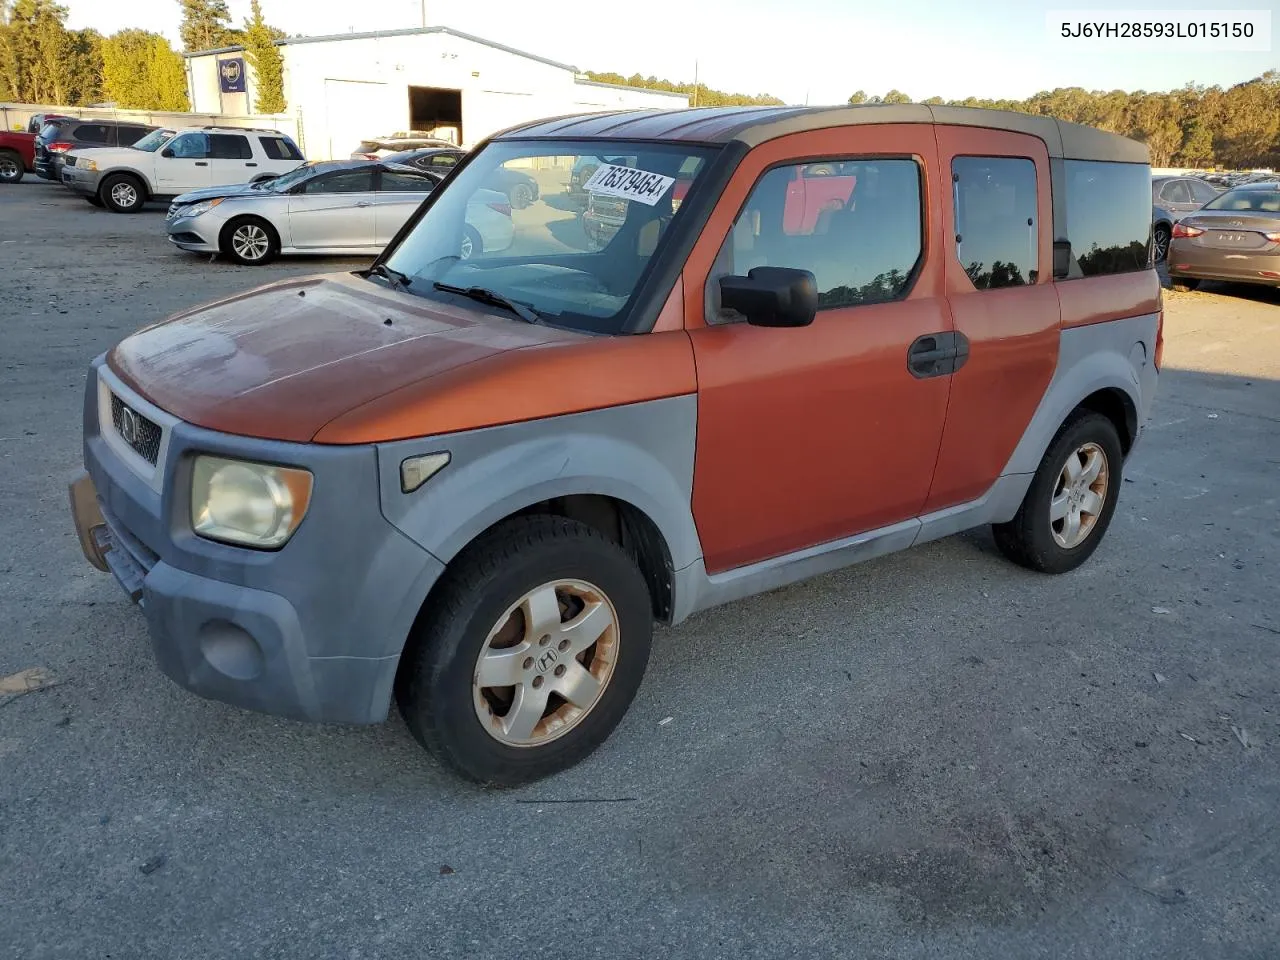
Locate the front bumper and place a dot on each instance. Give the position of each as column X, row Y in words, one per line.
column 312, row 631
column 1201, row 263
column 193, row 233
column 81, row 181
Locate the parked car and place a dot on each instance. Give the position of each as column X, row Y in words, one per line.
column 376, row 148
column 1235, row 236
column 579, row 174
column 37, row 120
column 338, row 207
column 474, row 483
column 60, row 136
column 1171, row 199
column 17, row 155
column 173, row 162
column 521, row 188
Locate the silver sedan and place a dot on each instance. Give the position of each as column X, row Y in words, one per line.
column 339, row 207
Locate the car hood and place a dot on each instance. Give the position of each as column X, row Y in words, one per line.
column 284, row 360
column 110, row 153
column 213, row 193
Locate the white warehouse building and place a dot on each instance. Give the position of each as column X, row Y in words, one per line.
column 349, row 87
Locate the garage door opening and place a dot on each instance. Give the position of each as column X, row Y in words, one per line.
column 436, row 112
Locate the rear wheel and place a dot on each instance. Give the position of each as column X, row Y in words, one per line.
column 122, row 193
column 530, row 651
column 520, row 196
column 250, row 241
column 11, row 170
column 472, row 245
column 1183, row 284
column 1072, row 497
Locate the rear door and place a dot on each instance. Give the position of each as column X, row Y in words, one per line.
column 1176, row 197
column 231, row 159
column 334, row 210
column 997, row 240
column 398, row 195
column 183, row 164
column 817, row 433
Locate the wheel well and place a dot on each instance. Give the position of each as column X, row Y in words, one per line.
column 625, row 525
column 1117, row 407
column 1163, row 223
column 137, row 178
column 231, row 224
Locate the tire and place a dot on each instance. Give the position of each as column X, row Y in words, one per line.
column 472, row 243
column 521, row 196
column 122, row 193
column 1032, row 538
column 96, row 201
column 11, row 169
column 482, row 591
column 250, row 241
column 1184, row 284
column 1160, row 238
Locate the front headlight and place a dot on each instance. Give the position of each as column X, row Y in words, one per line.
column 204, row 206
column 248, row 504
column 90, row 165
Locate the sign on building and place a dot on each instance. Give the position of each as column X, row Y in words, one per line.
column 231, row 75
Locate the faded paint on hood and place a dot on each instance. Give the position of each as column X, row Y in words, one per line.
column 282, row 361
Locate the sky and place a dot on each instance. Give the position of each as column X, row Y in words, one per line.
column 815, row 51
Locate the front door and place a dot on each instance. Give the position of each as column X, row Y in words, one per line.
column 334, row 211
column 811, row 434
column 183, row 165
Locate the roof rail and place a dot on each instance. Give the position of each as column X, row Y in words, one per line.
column 215, row 126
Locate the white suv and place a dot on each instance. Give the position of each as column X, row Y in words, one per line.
column 166, row 163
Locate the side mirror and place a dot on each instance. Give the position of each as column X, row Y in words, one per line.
column 167, row 152
column 772, row 296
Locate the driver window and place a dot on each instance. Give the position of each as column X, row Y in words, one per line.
column 190, row 146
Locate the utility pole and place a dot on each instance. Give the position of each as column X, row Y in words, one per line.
column 695, row 83
column 424, row 14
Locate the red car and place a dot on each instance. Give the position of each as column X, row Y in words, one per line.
column 17, row 155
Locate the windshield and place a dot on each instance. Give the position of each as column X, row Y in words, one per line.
column 153, row 141
column 1246, row 201
column 516, row 222
column 283, row 182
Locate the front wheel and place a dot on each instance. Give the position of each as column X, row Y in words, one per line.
column 122, row 193
column 10, row 167
column 472, row 245
column 250, row 241
column 529, row 653
column 521, row 196
column 1160, row 241
column 1072, row 497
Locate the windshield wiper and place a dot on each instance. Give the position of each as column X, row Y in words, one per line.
column 481, row 295
column 398, row 280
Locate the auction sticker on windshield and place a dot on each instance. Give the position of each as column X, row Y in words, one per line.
column 629, row 184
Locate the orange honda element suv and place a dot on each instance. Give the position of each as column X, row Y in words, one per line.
column 472, row 483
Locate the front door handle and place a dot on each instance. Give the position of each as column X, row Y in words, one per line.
column 937, row 354
column 363, row 203
column 250, row 164
column 202, row 163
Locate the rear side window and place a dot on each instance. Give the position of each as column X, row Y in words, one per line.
column 348, row 181
column 995, row 212
column 1176, row 191
column 93, row 133
column 1108, row 216
column 280, row 148
column 859, row 233
column 394, row 182
column 129, row 135
column 229, row 146
column 1202, row 192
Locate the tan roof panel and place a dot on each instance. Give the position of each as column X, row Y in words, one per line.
column 756, row 125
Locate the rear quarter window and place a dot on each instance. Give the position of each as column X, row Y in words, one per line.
column 1108, row 217
column 281, row 148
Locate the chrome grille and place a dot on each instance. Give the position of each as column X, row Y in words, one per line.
column 142, row 435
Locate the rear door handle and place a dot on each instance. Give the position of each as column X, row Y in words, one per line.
column 250, row 164
column 202, row 163
column 937, row 354
column 364, row 203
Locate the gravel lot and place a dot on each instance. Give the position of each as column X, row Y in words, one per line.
column 932, row 755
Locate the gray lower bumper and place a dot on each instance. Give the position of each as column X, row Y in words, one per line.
column 86, row 184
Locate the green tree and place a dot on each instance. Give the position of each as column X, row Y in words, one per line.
column 206, row 25
column 707, row 96
column 268, row 65
column 84, row 67
column 858, row 96
column 41, row 61
column 140, row 71
column 896, row 96
column 1197, row 145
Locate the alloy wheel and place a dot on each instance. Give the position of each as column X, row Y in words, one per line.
column 546, row 663
column 250, row 241
column 124, row 194
column 1079, row 495
column 8, row 168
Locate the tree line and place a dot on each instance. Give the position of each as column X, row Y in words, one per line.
column 42, row 61
column 1194, row 126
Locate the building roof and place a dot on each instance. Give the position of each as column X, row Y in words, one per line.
column 406, row 32
column 755, row 125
